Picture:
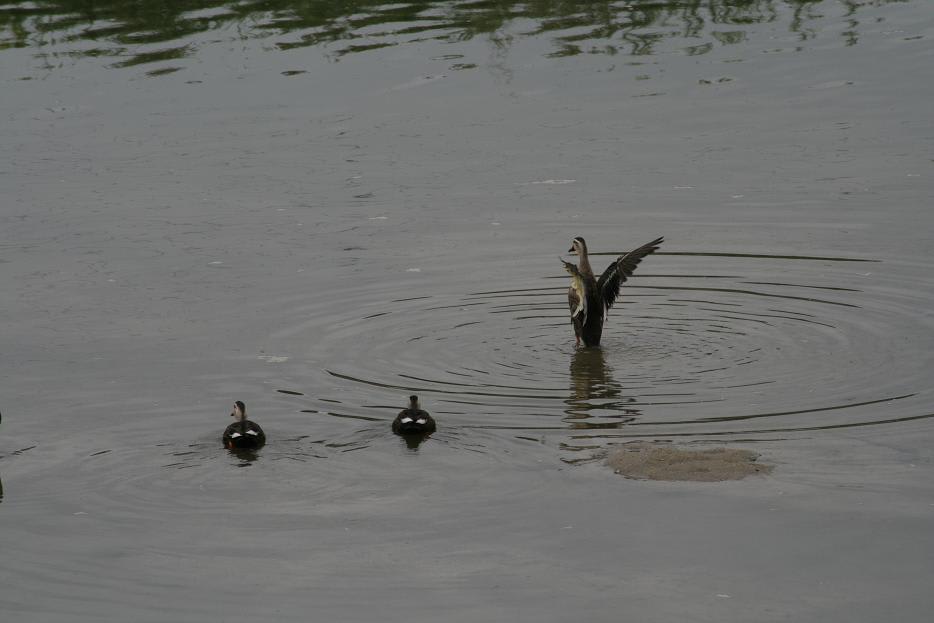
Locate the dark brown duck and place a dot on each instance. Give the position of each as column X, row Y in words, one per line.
column 414, row 420
column 243, row 433
column 590, row 299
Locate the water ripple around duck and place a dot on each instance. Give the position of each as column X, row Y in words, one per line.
column 729, row 355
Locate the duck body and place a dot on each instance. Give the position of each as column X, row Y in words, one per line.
column 590, row 298
column 243, row 433
column 588, row 310
column 413, row 420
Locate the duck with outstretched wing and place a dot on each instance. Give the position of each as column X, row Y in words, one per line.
column 589, row 298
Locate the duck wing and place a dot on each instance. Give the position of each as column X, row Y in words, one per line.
column 620, row 270
column 255, row 433
column 577, row 298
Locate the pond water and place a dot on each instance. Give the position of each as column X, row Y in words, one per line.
column 320, row 208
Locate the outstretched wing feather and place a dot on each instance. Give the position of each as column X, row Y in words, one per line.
column 616, row 273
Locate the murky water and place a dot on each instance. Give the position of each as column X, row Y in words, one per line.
column 320, row 209
column 709, row 353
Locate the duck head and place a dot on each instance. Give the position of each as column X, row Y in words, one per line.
column 578, row 247
column 239, row 412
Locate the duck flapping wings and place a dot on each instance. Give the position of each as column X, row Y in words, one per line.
column 616, row 273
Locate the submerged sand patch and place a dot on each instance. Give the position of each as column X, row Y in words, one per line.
column 654, row 461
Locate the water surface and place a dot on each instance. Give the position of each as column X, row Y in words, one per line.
column 322, row 208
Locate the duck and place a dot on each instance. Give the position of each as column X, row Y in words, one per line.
column 590, row 299
column 243, row 433
column 414, row 420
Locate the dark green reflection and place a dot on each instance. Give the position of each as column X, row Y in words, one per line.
column 139, row 32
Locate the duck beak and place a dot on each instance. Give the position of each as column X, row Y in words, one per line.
column 571, row 250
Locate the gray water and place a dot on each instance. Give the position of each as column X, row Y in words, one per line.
column 320, row 209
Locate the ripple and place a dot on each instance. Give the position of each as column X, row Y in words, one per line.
column 183, row 29
column 733, row 354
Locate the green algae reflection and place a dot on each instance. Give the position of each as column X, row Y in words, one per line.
column 127, row 34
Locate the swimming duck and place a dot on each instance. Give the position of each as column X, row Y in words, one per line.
column 243, row 433
column 414, row 420
column 590, row 299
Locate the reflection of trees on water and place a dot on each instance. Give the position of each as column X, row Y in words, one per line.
column 120, row 27
column 595, row 394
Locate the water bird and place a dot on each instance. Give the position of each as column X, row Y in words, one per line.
column 590, row 299
column 414, row 420
column 243, row 433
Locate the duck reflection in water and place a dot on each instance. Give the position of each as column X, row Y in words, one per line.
column 593, row 389
column 246, row 455
column 412, row 442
